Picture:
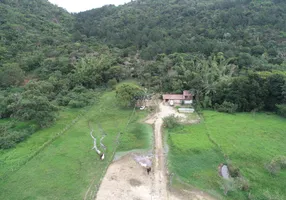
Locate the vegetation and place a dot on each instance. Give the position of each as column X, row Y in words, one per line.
column 53, row 64
column 281, row 110
column 128, row 94
column 66, row 162
column 221, row 51
column 252, row 144
column 170, row 121
column 247, row 30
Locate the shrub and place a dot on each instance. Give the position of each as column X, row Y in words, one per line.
column 276, row 165
column 9, row 138
column 233, row 171
column 77, row 98
column 242, row 183
column 76, row 104
column 112, row 83
column 228, row 185
column 273, row 168
column 227, row 107
column 281, row 110
column 171, row 121
column 234, row 184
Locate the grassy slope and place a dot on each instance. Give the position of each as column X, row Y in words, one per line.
column 249, row 140
column 66, row 168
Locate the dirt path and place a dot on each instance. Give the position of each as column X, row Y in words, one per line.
column 159, row 168
column 126, row 179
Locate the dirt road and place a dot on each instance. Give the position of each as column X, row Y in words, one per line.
column 159, row 168
column 126, row 179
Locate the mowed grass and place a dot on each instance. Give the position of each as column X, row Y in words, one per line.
column 249, row 141
column 67, row 167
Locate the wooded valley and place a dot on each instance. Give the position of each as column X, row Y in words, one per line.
column 230, row 54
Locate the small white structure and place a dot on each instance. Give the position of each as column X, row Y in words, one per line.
column 186, row 110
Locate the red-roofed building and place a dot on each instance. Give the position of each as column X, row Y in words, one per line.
column 185, row 98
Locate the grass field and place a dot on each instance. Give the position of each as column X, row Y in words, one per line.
column 248, row 141
column 51, row 166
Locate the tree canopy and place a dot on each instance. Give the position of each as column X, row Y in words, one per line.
column 128, row 94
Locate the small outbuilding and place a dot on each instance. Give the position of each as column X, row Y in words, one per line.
column 185, row 98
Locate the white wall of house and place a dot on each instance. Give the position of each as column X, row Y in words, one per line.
column 188, row 102
column 177, row 101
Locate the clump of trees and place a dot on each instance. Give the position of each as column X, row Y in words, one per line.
column 128, row 94
column 227, row 107
column 252, row 92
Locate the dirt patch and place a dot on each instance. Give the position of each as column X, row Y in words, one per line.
column 127, row 178
column 131, row 182
column 135, row 182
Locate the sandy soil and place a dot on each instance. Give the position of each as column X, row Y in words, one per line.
column 126, row 179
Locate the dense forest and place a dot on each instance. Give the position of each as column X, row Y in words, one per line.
column 230, row 54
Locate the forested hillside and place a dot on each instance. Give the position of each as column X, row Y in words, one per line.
column 242, row 29
column 230, row 54
column 30, row 26
column 40, row 72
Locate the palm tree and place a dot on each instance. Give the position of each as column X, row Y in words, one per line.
column 208, row 74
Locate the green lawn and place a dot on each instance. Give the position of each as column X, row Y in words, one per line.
column 47, row 166
column 249, row 141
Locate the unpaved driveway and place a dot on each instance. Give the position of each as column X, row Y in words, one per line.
column 159, row 168
column 126, row 179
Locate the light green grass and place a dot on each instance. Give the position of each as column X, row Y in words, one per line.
column 67, row 167
column 248, row 140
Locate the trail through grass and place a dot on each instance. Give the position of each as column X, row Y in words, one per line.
column 67, row 167
column 249, row 141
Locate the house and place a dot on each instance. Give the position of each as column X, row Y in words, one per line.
column 185, row 98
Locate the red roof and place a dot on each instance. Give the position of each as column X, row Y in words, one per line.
column 185, row 96
column 173, row 97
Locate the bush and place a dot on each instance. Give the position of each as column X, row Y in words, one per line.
column 233, row 171
column 234, row 184
column 79, row 97
column 242, row 183
column 9, row 137
column 112, row 83
column 171, row 121
column 275, row 166
column 76, row 104
column 227, row 107
column 281, row 110
column 228, row 185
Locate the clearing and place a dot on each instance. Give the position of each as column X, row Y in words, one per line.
column 248, row 141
